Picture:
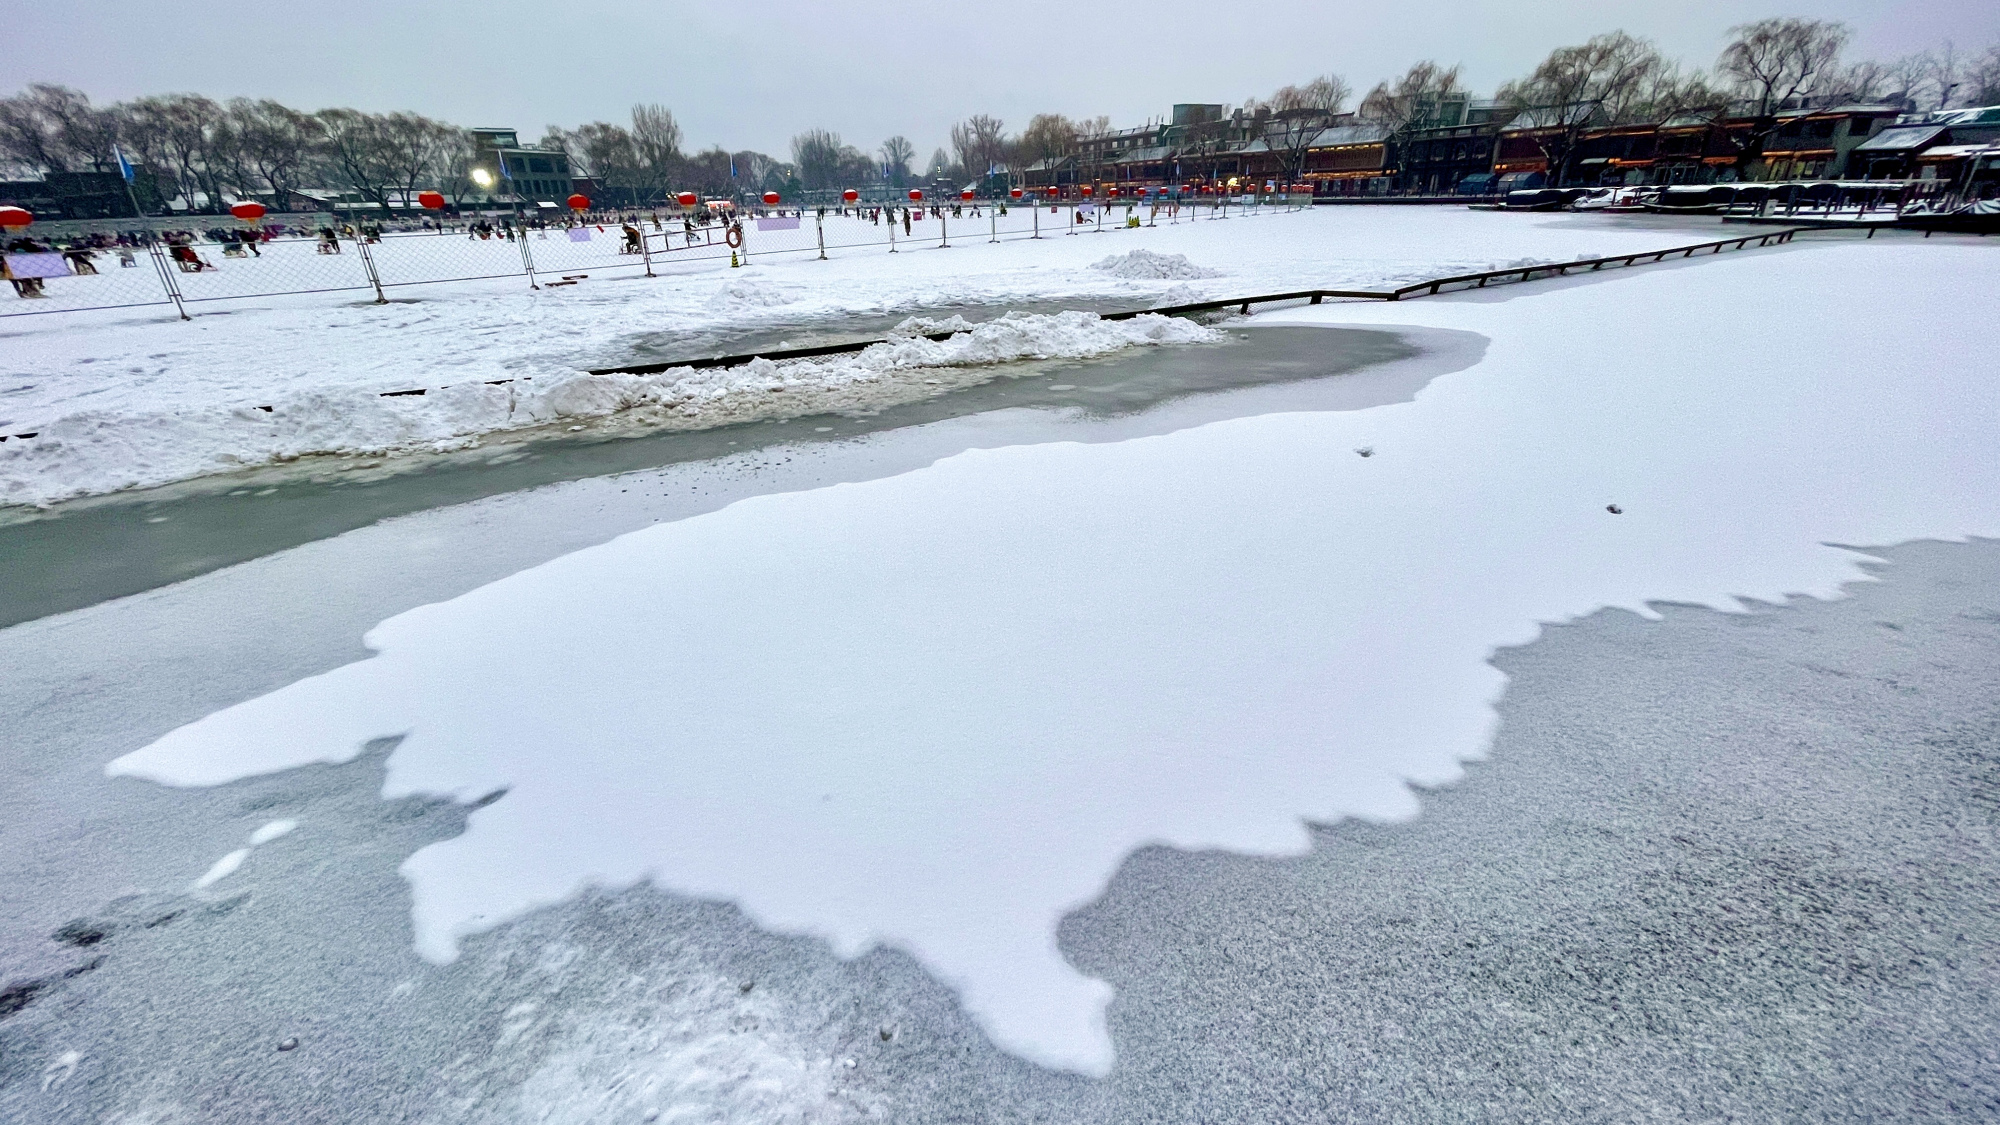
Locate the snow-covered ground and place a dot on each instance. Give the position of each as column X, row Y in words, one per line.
column 937, row 710
column 126, row 398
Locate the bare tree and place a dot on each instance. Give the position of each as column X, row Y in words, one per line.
column 897, row 152
column 656, row 139
column 981, row 144
column 1326, row 94
column 1866, row 80
column 1048, row 136
column 271, row 143
column 183, row 132
column 818, row 154
column 1775, row 62
column 357, row 147
column 1607, row 78
column 1411, row 100
column 1296, row 117
column 603, row 152
column 940, row 166
column 1982, row 79
column 48, row 128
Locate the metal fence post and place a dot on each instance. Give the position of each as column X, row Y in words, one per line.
column 527, row 259
column 944, row 232
column 1038, row 221
column 368, row 263
column 165, row 271
column 646, row 246
column 889, row 216
column 993, row 222
column 819, row 231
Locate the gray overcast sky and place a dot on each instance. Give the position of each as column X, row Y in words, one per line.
column 751, row 75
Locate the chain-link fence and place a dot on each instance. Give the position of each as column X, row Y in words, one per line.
column 102, row 270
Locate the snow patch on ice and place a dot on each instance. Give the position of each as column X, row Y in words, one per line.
column 1145, row 265
column 223, row 868
column 272, row 831
column 749, row 293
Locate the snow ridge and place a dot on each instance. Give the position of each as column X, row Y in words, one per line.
column 92, row 452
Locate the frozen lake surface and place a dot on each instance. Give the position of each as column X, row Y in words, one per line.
column 1023, row 724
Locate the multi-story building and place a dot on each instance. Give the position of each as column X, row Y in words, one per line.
column 504, row 170
column 1949, row 145
column 1450, row 150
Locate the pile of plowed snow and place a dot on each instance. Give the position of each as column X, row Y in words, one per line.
column 93, row 452
column 1144, row 265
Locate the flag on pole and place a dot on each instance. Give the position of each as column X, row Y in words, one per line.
column 124, row 165
column 732, row 165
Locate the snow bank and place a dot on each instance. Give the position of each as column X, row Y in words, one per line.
column 97, row 451
column 937, row 710
column 1148, row 266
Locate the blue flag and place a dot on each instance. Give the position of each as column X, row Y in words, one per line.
column 124, row 165
column 732, row 166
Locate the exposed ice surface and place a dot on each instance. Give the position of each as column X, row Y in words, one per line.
column 130, row 398
column 1145, row 264
column 936, row 710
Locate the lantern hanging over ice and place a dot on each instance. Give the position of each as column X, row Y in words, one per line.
column 850, row 196
column 1054, row 191
column 1111, row 192
column 1087, row 190
column 770, row 199
column 685, row 199
column 579, row 202
column 966, row 194
column 12, row 217
column 247, row 211
column 431, row 200
column 916, row 195
column 1014, row 193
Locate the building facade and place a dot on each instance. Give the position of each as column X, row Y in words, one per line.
column 503, row 170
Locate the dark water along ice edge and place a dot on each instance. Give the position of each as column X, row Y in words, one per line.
column 85, row 551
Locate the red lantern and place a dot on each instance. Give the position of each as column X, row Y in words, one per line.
column 1113, row 193
column 770, row 199
column 579, row 201
column 11, row 217
column 1086, row 190
column 431, row 200
column 966, row 194
column 850, row 195
column 685, row 199
column 1014, row 192
column 1054, row 191
column 248, row 212
column 916, row 195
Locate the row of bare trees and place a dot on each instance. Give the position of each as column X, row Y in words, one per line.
column 207, row 152
column 1768, row 65
column 211, row 151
